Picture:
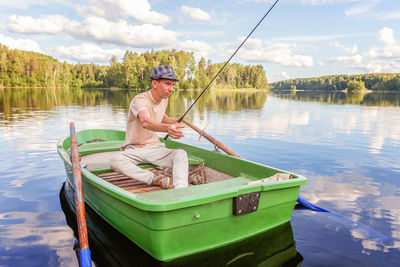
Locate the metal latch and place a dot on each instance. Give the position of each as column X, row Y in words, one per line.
column 246, row 203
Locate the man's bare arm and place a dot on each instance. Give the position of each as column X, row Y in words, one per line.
column 173, row 129
column 167, row 119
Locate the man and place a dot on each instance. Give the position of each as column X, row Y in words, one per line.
column 142, row 145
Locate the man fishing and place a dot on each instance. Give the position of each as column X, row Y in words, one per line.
column 142, row 145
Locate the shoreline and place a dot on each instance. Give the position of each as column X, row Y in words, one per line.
column 2, row 88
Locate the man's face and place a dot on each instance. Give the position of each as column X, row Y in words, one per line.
column 164, row 87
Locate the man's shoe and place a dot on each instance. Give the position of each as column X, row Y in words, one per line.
column 164, row 182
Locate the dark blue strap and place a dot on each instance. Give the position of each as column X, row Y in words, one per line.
column 363, row 229
column 313, row 207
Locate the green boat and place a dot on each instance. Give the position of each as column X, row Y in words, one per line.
column 235, row 201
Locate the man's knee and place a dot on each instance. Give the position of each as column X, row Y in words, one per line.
column 180, row 154
column 116, row 161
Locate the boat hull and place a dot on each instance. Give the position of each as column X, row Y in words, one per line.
column 275, row 247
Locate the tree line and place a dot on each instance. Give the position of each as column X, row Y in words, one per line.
column 373, row 81
column 29, row 69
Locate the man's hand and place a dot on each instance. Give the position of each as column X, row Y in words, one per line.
column 174, row 130
column 172, row 127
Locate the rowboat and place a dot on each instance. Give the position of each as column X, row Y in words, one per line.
column 234, row 202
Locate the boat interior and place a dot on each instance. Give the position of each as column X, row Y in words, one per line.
column 98, row 164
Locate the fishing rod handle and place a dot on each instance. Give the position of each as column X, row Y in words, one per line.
column 179, row 120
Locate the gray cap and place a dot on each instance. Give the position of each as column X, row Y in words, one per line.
column 163, row 72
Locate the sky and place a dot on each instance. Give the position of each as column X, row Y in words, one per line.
column 298, row 39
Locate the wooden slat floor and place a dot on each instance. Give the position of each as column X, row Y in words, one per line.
column 136, row 187
column 129, row 184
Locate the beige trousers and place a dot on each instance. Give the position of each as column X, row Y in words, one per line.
column 126, row 163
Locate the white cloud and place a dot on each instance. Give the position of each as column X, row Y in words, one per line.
column 96, row 29
column 199, row 48
column 26, row 4
column 391, row 15
column 386, row 35
column 195, row 14
column 390, row 52
column 21, row 44
column 351, row 50
column 111, row 9
column 252, row 43
column 280, row 53
column 361, row 8
column 280, row 76
column 353, row 61
column 318, row 38
column 204, row 34
column 121, row 32
column 369, row 66
column 87, row 53
column 383, row 66
column 52, row 24
column 376, row 59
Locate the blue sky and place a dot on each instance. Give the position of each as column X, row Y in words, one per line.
column 298, row 39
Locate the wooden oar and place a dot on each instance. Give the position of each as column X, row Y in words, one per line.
column 84, row 254
column 214, row 141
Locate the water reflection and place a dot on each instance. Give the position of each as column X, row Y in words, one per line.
column 110, row 248
column 353, row 191
column 381, row 99
column 16, row 101
column 25, row 243
column 349, row 152
column 224, row 100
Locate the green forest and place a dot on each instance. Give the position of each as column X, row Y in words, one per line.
column 361, row 82
column 29, row 69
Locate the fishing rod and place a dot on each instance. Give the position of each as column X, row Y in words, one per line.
column 226, row 63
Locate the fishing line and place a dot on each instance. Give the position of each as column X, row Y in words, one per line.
column 226, row 63
column 361, row 228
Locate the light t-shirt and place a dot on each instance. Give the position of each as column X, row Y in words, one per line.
column 136, row 135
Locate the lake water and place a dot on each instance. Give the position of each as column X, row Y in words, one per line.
column 347, row 145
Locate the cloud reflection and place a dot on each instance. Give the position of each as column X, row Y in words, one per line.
column 28, row 235
column 357, row 200
column 308, row 123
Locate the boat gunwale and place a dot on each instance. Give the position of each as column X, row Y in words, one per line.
column 190, row 200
